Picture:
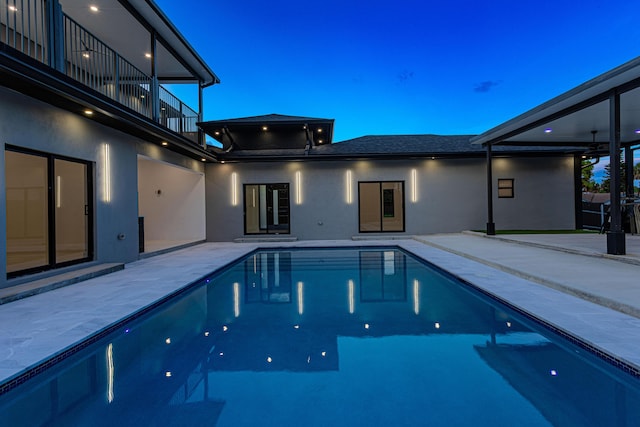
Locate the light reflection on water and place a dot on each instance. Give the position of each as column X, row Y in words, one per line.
column 327, row 337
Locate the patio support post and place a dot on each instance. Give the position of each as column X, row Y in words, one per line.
column 201, row 137
column 155, row 86
column 491, row 226
column 55, row 35
column 628, row 166
column 615, row 236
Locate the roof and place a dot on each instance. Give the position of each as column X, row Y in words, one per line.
column 571, row 117
column 390, row 146
column 266, row 119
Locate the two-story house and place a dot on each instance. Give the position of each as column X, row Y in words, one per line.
column 92, row 139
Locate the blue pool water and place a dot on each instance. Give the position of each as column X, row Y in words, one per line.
column 340, row 337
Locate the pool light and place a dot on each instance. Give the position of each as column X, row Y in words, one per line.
column 548, row 130
column 553, row 373
column 225, row 328
column 167, row 374
column 437, row 325
column 269, row 359
column 366, row 326
column 168, row 341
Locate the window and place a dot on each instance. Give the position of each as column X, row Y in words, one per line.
column 48, row 211
column 266, row 209
column 381, row 206
column 505, row 188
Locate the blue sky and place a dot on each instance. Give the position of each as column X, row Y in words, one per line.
column 403, row 66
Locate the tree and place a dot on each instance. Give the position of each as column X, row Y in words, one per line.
column 588, row 183
column 606, row 182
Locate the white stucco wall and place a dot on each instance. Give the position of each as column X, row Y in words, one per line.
column 449, row 195
column 171, row 200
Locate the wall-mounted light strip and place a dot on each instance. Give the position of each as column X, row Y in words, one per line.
column 298, row 188
column 234, row 189
column 348, row 181
column 106, row 180
column 414, row 185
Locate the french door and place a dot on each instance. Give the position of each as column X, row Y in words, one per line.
column 48, row 207
column 266, row 209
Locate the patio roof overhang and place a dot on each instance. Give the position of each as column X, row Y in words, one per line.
column 600, row 116
column 570, row 118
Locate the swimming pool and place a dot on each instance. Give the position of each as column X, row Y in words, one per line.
column 328, row 337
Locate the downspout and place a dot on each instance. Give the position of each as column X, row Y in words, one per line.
column 491, row 226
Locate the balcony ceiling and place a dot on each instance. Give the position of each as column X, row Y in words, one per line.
column 117, row 26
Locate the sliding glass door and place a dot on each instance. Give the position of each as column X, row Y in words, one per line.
column 266, row 209
column 381, row 206
column 48, row 211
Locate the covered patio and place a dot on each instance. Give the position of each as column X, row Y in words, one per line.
column 600, row 118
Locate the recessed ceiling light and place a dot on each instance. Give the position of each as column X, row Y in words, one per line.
column 165, row 143
column 320, row 141
column 88, row 112
column 548, row 130
column 264, row 128
column 203, row 159
column 93, row 8
column 142, row 96
column 13, row 8
column 147, row 55
column 319, row 129
column 85, row 54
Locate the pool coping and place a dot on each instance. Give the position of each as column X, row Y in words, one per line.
column 499, row 285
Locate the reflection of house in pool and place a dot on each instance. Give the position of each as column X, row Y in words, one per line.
column 542, row 374
column 300, row 328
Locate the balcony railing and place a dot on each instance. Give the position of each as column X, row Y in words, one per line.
column 23, row 25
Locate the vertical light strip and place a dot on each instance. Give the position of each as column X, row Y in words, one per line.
column 110, row 373
column 348, row 184
column 106, row 166
column 416, row 296
column 298, row 188
column 300, row 297
column 414, row 185
column 236, row 299
column 352, row 299
column 234, row 189
column 58, row 191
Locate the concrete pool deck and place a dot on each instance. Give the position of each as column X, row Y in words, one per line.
column 589, row 296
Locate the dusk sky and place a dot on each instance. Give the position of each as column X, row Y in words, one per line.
column 403, row 66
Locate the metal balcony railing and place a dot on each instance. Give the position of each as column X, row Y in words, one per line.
column 177, row 116
column 23, row 26
column 96, row 65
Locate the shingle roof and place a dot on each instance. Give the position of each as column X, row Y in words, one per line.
column 390, row 146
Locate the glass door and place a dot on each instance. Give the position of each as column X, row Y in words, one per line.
column 71, row 211
column 266, row 209
column 48, row 211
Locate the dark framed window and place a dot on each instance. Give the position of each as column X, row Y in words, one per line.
column 49, row 203
column 505, row 188
column 381, row 206
column 266, row 209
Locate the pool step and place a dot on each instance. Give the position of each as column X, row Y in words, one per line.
column 50, row 283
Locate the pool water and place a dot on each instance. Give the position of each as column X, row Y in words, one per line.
column 340, row 337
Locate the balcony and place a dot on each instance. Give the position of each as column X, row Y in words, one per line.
column 125, row 51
